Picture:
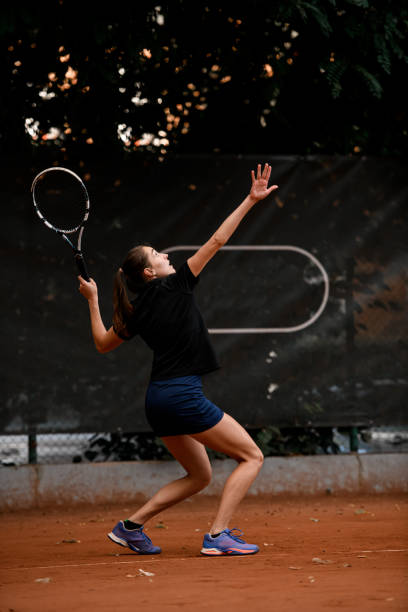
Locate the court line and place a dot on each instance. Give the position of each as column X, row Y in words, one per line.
column 201, row 558
column 81, row 564
column 385, row 550
column 357, row 552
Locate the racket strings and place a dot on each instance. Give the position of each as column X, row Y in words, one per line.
column 61, row 200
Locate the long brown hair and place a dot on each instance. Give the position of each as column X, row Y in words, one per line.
column 128, row 277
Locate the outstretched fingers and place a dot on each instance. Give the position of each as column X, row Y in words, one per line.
column 260, row 181
column 264, row 173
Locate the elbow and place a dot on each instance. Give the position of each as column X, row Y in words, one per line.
column 219, row 240
column 101, row 349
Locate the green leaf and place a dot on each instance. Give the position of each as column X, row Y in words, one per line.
column 371, row 81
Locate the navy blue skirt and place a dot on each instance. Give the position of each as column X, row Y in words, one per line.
column 178, row 406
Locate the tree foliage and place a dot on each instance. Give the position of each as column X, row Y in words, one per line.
column 293, row 77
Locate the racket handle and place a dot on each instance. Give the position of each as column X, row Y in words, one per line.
column 81, row 265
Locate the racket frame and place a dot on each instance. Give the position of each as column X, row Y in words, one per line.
column 79, row 258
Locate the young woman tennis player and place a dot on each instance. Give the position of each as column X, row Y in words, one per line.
column 165, row 315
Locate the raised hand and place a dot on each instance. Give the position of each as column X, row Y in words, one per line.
column 259, row 188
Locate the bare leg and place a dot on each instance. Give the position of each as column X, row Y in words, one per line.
column 230, row 438
column 192, row 455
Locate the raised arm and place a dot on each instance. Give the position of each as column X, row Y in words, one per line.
column 259, row 191
column 105, row 340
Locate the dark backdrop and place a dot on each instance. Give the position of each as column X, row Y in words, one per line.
column 348, row 368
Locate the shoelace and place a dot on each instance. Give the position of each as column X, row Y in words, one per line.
column 234, row 536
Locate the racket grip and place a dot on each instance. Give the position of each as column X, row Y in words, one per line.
column 81, row 265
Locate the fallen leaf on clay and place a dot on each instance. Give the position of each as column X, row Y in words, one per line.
column 143, row 573
column 71, row 541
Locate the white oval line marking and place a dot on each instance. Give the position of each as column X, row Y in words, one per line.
column 260, row 247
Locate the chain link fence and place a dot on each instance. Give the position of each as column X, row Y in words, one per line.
column 97, row 447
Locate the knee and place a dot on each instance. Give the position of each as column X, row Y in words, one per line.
column 258, row 457
column 202, row 479
column 254, row 456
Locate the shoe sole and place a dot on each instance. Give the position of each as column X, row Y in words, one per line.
column 117, row 540
column 215, row 552
column 114, row 538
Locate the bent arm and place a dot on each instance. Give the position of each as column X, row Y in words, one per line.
column 259, row 191
column 105, row 340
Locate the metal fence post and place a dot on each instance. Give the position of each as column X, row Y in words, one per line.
column 32, row 446
column 353, row 439
column 350, row 344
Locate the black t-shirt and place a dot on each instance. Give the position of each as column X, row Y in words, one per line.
column 167, row 318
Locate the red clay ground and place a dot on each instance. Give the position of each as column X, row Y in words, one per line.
column 362, row 541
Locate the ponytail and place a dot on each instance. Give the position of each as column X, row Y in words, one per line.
column 122, row 308
column 128, row 277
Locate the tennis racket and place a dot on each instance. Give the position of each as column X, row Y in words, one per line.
column 61, row 201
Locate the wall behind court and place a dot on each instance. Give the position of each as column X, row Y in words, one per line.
column 348, row 368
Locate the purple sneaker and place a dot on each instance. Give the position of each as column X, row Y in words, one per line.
column 134, row 539
column 227, row 543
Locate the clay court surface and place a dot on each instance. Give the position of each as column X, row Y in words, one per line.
column 326, row 553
